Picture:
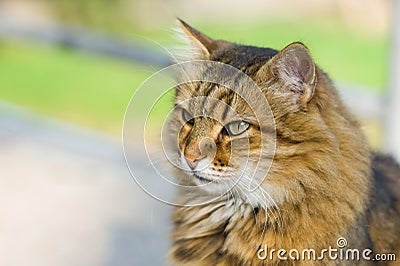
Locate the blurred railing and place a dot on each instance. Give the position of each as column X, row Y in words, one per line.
column 392, row 117
column 81, row 39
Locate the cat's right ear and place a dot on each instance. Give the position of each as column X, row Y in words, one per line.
column 296, row 68
column 201, row 45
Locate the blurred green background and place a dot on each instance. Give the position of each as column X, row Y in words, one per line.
column 94, row 90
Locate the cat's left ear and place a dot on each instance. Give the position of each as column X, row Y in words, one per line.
column 296, row 68
column 202, row 44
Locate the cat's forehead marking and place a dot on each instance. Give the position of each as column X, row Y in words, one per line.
column 220, row 113
column 239, row 107
column 201, row 89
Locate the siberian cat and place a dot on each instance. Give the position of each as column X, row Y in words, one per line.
column 323, row 184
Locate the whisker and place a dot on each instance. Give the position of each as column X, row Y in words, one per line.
column 265, row 208
column 252, row 206
column 280, row 218
column 276, row 213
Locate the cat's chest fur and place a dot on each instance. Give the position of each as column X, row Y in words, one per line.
column 207, row 234
column 231, row 232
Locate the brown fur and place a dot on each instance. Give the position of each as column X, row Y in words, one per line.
column 320, row 178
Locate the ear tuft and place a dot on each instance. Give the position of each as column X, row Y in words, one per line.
column 201, row 45
column 295, row 66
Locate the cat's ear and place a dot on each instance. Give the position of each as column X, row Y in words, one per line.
column 202, row 45
column 295, row 67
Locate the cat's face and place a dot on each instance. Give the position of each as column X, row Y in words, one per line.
column 217, row 132
column 219, row 139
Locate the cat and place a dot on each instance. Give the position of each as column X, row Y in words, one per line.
column 323, row 183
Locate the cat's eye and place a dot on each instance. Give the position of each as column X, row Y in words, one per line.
column 237, row 128
column 187, row 117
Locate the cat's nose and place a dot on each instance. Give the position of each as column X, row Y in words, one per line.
column 193, row 159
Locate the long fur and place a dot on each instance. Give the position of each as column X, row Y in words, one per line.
column 323, row 183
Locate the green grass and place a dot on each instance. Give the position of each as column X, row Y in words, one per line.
column 94, row 91
column 85, row 89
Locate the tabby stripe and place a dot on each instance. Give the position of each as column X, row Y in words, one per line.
column 225, row 113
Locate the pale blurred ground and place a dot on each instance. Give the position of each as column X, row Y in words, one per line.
column 66, row 198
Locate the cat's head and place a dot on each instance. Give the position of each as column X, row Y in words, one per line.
column 211, row 149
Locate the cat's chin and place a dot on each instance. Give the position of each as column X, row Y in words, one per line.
column 202, row 180
column 208, row 184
